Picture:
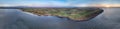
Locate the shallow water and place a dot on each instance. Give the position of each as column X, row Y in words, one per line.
column 16, row 19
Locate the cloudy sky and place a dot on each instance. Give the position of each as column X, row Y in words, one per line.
column 49, row 3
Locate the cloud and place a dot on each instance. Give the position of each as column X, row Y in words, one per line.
column 38, row 4
column 58, row 3
column 6, row 5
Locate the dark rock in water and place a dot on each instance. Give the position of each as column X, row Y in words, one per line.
column 76, row 14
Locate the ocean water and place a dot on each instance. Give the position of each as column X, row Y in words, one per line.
column 16, row 19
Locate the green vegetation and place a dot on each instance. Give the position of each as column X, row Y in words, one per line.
column 73, row 13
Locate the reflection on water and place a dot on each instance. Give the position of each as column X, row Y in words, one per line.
column 15, row 19
column 112, row 16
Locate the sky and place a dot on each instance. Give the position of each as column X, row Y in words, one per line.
column 58, row 3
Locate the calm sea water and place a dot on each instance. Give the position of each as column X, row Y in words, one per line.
column 16, row 19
